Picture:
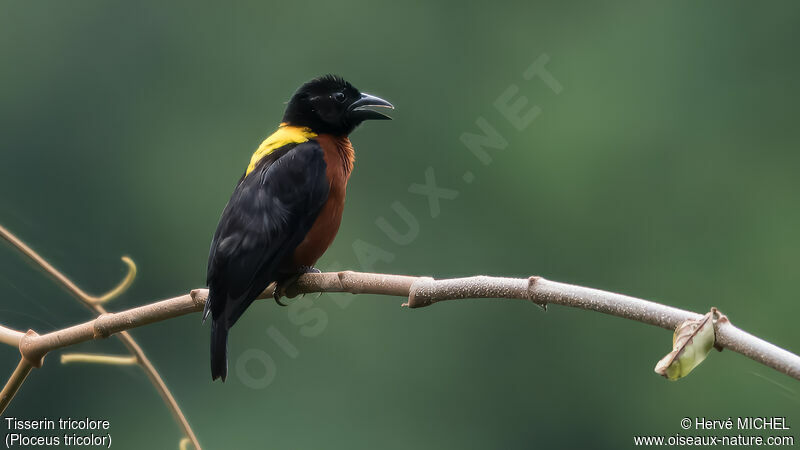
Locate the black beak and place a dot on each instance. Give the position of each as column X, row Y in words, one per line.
column 359, row 109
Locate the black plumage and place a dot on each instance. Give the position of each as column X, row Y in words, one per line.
column 267, row 217
column 286, row 209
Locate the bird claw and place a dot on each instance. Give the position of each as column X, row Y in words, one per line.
column 308, row 269
column 277, row 294
column 280, row 286
column 280, row 289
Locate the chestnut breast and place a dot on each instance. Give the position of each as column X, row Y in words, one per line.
column 339, row 156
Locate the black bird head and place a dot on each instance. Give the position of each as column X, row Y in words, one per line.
column 331, row 105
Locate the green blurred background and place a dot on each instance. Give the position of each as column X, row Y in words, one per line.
column 666, row 168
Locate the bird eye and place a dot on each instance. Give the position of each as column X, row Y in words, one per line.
column 339, row 97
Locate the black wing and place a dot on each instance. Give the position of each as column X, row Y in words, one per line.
column 268, row 216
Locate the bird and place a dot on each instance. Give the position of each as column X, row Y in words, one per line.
column 286, row 209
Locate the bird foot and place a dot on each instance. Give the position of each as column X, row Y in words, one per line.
column 280, row 286
column 308, row 269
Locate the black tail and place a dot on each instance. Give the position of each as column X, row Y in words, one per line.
column 219, row 349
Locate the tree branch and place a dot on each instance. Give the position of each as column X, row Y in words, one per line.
column 424, row 291
column 94, row 303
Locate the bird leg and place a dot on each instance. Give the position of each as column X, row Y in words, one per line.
column 287, row 280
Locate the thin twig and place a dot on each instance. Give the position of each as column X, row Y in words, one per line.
column 63, row 279
column 424, row 291
column 95, row 304
column 112, row 360
column 15, row 382
column 161, row 387
column 10, row 337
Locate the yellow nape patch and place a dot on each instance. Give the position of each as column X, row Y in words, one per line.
column 284, row 135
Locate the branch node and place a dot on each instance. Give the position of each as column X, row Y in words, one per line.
column 199, row 297
column 345, row 278
column 719, row 319
column 28, row 350
column 421, row 293
column 98, row 326
column 532, row 295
